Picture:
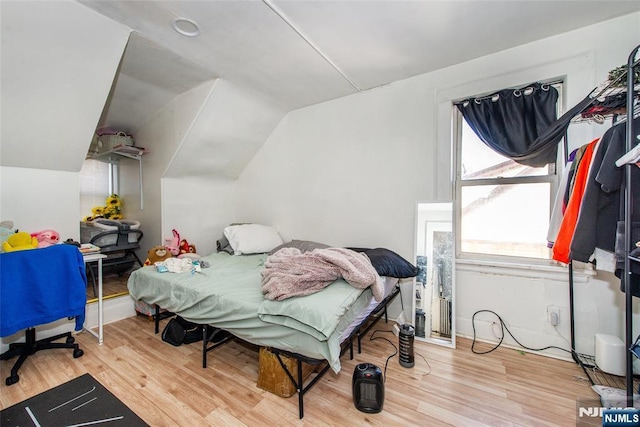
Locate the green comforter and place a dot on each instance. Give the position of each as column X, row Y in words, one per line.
column 228, row 295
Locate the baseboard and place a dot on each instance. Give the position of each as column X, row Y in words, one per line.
column 114, row 309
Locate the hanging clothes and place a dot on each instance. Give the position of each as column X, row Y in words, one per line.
column 565, row 233
column 560, row 202
column 601, row 207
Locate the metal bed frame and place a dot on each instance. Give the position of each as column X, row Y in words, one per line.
column 216, row 340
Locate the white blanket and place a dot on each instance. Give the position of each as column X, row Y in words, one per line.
column 289, row 272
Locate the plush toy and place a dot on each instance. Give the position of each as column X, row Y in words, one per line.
column 157, row 253
column 20, row 241
column 46, row 238
column 173, row 244
column 186, row 248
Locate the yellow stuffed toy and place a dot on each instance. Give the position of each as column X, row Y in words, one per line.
column 20, row 241
column 157, row 253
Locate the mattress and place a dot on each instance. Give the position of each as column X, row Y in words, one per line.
column 228, row 295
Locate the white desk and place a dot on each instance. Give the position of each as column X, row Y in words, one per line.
column 88, row 258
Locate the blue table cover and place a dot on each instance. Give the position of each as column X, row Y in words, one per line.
column 39, row 286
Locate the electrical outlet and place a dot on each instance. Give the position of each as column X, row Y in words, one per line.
column 553, row 315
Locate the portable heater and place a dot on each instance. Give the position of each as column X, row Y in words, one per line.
column 368, row 388
column 405, row 344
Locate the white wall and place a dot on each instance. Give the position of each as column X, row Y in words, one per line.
column 200, row 223
column 37, row 199
column 52, row 98
column 56, row 75
column 350, row 171
column 161, row 136
column 197, row 144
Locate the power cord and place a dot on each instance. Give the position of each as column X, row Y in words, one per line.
column 372, row 338
column 504, row 327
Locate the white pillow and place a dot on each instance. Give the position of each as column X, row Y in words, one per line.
column 252, row 238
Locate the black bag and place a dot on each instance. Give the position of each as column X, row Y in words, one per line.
column 179, row 331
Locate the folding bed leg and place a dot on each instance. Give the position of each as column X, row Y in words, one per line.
column 205, row 338
column 300, row 390
column 156, row 319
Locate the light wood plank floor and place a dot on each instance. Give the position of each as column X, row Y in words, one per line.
column 167, row 386
column 112, row 284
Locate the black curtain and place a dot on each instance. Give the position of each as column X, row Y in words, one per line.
column 511, row 121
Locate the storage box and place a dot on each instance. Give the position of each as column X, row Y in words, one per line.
column 271, row 376
column 611, row 354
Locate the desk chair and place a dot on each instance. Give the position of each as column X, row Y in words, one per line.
column 121, row 255
column 31, row 345
column 40, row 286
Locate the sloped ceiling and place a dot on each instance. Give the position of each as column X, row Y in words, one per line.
column 299, row 53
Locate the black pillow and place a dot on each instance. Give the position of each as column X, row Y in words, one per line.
column 388, row 263
column 224, row 246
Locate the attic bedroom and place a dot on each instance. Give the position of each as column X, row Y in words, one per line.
column 326, row 132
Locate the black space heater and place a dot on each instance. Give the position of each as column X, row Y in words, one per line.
column 368, row 388
column 405, row 341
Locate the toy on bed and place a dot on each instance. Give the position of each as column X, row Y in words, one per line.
column 173, row 244
column 157, row 254
column 187, row 250
column 19, row 241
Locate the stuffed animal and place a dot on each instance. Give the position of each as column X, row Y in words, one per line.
column 157, row 253
column 186, row 248
column 46, row 238
column 173, row 244
column 20, row 241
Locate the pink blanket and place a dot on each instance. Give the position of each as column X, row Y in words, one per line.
column 289, row 272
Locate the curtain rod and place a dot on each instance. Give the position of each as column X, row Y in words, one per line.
column 481, row 97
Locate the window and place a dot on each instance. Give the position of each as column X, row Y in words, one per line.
column 503, row 207
column 97, row 181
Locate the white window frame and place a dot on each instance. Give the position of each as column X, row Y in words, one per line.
column 576, row 71
column 100, row 199
column 551, row 178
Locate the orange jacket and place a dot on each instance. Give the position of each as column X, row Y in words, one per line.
column 562, row 245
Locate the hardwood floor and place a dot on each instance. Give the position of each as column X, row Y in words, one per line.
column 167, row 386
column 112, row 284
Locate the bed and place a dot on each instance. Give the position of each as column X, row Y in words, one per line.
column 228, row 295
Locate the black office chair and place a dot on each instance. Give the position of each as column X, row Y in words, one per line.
column 121, row 255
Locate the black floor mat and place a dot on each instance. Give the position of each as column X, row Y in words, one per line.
column 79, row 402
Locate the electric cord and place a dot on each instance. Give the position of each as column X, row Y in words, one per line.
column 372, row 338
column 425, row 361
column 504, row 328
column 561, row 336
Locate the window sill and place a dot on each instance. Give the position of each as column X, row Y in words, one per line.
column 581, row 272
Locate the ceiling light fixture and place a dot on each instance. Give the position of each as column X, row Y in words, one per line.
column 186, row 27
